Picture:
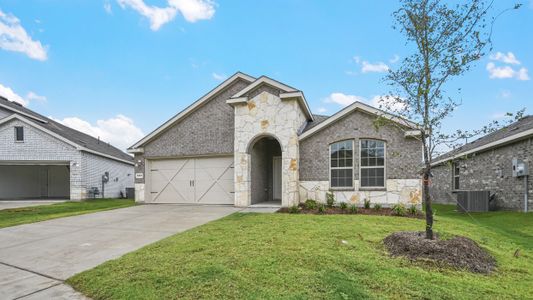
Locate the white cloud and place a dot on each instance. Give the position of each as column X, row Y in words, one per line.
column 378, row 67
column 508, row 58
column 219, row 77
column 394, row 59
column 120, row 131
column 191, row 10
column 505, row 94
column 357, row 59
column 498, row 116
column 321, row 110
column 10, row 95
column 13, row 37
column 506, row 72
column 31, row 96
column 107, row 7
column 343, row 99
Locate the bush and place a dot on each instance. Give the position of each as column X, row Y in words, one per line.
column 330, row 199
column 413, row 210
column 310, row 204
column 377, row 207
column 367, row 204
column 294, row 209
column 353, row 209
column 321, row 208
column 343, row 205
column 399, row 210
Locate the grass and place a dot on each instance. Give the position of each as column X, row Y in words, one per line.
column 32, row 214
column 273, row 256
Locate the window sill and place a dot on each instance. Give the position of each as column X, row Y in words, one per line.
column 340, row 189
column 373, row 189
column 19, row 142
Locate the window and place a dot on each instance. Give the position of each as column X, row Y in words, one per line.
column 19, row 134
column 372, row 163
column 341, row 164
column 456, row 172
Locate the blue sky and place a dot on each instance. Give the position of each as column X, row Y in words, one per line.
column 120, row 68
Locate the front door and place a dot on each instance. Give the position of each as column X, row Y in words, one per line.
column 276, row 172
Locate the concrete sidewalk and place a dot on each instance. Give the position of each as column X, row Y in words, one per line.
column 36, row 258
column 5, row 204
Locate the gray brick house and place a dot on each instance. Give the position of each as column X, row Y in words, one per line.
column 254, row 140
column 43, row 159
column 486, row 164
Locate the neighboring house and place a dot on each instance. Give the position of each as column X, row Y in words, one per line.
column 43, row 159
column 254, row 140
column 486, row 164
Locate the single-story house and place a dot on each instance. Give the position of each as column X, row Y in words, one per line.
column 487, row 164
column 255, row 140
column 43, row 159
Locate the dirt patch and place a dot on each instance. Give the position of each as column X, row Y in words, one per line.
column 360, row 211
column 458, row 252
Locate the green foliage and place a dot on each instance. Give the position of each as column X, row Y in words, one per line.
column 399, row 209
column 413, row 210
column 310, row 204
column 25, row 215
column 343, row 205
column 321, row 208
column 354, row 209
column 366, row 204
column 241, row 250
column 330, row 199
column 377, row 207
column 294, row 209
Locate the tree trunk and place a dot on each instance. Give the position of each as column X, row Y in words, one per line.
column 427, row 204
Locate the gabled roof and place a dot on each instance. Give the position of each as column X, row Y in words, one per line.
column 81, row 140
column 324, row 121
column 195, row 105
column 288, row 93
column 516, row 131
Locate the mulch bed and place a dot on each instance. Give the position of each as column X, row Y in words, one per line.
column 360, row 211
column 458, row 252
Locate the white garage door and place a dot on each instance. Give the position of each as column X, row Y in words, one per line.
column 192, row 180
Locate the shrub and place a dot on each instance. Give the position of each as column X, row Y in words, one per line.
column 330, row 199
column 343, row 205
column 294, row 209
column 399, row 209
column 377, row 206
column 353, row 209
column 310, row 204
column 413, row 210
column 321, row 208
column 367, row 204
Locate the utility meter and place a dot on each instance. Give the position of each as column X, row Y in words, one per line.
column 105, row 177
column 519, row 168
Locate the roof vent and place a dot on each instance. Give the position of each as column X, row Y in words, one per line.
column 16, row 103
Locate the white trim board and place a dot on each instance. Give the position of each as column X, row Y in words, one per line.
column 501, row 142
column 354, row 106
column 189, row 109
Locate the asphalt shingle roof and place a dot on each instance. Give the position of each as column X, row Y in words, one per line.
column 317, row 120
column 73, row 135
column 521, row 125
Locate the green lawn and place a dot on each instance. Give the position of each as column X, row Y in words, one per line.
column 25, row 215
column 272, row 256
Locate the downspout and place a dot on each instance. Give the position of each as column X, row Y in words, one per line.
column 525, row 193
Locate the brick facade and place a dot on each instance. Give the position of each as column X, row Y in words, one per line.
column 489, row 170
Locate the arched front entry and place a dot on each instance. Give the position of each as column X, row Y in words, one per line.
column 265, row 171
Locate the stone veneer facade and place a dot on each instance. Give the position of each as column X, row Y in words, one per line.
column 267, row 115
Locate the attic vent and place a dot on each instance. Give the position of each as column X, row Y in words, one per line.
column 514, row 128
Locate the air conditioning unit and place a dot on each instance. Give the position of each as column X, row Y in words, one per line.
column 473, row 201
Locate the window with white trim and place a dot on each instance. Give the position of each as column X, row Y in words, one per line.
column 456, row 176
column 341, row 164
column 19, row 134
column 372, row 168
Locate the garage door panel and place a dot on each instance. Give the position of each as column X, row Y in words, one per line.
column 206, row 180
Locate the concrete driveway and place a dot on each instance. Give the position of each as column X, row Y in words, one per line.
column 5, row 204
column 36, row 258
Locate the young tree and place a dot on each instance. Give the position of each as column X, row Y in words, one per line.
column 448, row 40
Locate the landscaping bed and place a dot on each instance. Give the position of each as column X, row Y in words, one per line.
column 458, row 252
column 314, row 207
